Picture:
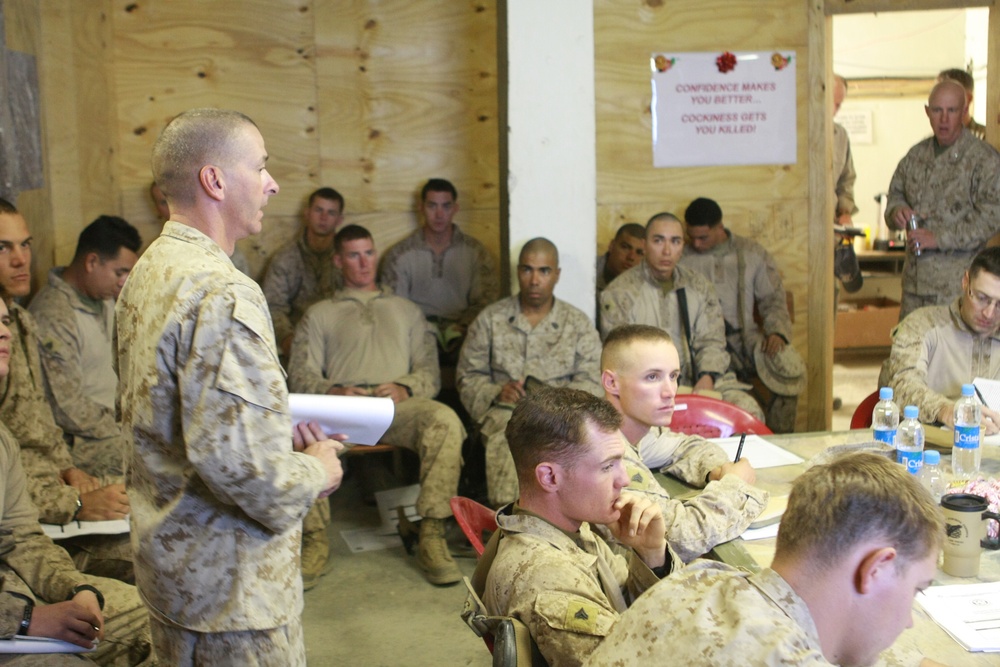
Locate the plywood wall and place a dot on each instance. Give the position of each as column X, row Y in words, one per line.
column 768, row 203
column 369, row 97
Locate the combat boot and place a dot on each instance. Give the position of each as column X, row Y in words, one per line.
column 315, row 557
column 433, row 555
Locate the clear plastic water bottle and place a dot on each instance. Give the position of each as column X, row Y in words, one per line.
column 885, row 417
column 966, row 455
column 910, row 441
column 931, row 477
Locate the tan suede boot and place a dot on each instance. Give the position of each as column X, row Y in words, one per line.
column 315, row 557
column 433, row 556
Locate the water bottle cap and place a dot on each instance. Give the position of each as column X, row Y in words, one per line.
column 932, row 457
column 885, row 393
column 968, row 390
column 910, row 412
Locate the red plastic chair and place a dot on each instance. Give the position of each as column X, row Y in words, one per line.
column 712, row 418
column 862, row 417
column 473, row 519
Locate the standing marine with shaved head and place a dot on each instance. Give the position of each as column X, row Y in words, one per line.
column 516, row 345
column 949, row 184
column 218, row 494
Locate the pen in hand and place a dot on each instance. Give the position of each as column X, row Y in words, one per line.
column 980, row 395
column 739, row 450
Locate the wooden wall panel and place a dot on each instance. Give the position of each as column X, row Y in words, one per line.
column 768, row 202
column 407, row 91
column 255, row 56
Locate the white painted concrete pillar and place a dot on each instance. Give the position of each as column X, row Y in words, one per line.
column 550, row 142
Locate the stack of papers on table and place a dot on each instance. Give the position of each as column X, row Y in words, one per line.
column 20, row 644
column 75, row 528
column 970, row 613
column 758, row 451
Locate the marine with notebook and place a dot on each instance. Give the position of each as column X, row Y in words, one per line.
column 937, row 349
column 639, row 371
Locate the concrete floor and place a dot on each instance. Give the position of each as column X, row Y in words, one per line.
column 375, row 609
column 855, row 375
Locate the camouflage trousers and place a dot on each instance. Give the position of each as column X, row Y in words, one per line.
column 781, row 413
column 102, row 555
column 501, row 476
column 435, row 433
column 126, row 633
column 276, row 647
column 738, row 393
column 317, row 518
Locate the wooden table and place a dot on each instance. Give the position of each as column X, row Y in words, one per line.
column 925, row 637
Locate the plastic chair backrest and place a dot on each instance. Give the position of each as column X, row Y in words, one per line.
column 473, row 519
column 713, row 418
column 862, row 417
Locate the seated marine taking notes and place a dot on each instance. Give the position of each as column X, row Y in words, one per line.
column 937, row 349
column 639, row 371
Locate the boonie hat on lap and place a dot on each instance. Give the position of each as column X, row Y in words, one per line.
column 783, row 373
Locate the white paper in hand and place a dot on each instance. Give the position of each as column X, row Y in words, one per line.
column 364, row 419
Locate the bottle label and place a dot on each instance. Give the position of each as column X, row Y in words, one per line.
column 913, row 461
column 886, row 435
column 967, row 437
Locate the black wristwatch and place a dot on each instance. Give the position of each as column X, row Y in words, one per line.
column 79, row 506
column 26, row 618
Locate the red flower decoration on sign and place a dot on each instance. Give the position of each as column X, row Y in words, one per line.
column 726, row 62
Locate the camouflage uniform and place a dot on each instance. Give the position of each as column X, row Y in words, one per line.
column 217, row 493
column 933, row 354
column 559, row 584
column 602, row 282
column 296, row 278
column 76, row 350
column 745, row 277
column 843, row 170
column 33, row 568
column 958, row 195
column 635, row 297
column 45, row 455
column 453, row 286
column 712, row 614
column 721, row 512
column 562, row 350
column 240, row 261
column 361, row 338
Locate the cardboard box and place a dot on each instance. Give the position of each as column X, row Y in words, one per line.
column 866, row 323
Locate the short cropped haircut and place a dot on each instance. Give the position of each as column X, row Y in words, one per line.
column 987, row 260
column 7, row 207
column 438, row 185
column 632, row 229
column 663, row 215
column 551, row 425
column 703, row 212
column 327, row 193
column 350, row 233
column 106, row 236
column 623, row 337
column 855, row 498
column 959, row 76
column 540, row 244
column 190, row 141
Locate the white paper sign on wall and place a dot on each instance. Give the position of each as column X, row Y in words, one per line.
column 724, row 108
